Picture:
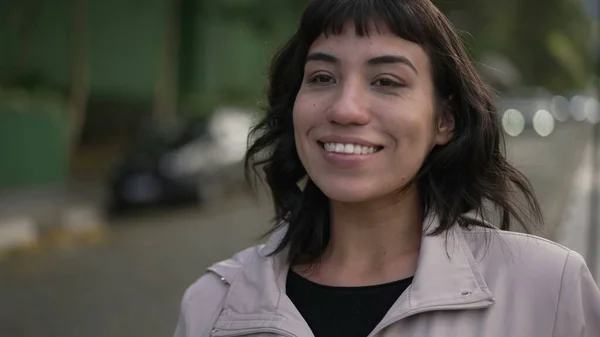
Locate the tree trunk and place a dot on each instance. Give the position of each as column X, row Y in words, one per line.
column 79, row 74
column 166, row 94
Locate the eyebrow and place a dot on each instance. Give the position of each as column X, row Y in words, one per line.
column 384, row 59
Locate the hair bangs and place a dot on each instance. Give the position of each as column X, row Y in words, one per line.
column 331, row 17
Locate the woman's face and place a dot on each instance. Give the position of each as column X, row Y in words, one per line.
column 365, row 115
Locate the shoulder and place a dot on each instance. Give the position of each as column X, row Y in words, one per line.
column 221, row 274
column 519, row 245
column 517, row 258
column 202, row 301
column 554, row 279
column 535, row 278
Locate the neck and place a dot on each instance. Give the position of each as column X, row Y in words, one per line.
column 372, row 243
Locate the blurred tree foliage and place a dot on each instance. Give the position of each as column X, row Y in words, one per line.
column 226, row 45
column 547, row 42
column 234, row 42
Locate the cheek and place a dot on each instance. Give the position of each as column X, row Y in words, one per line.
column 305, row 114
column 303, row 119
column 411, row 124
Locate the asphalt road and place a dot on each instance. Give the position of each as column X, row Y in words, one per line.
column 130, row 284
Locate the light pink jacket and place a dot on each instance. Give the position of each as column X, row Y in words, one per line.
column 477, row 283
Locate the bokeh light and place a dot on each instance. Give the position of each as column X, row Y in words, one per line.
column 543, row 123
column 591, row 110
column 560, row 108
column 513, row 122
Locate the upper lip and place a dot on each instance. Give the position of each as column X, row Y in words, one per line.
column 347, row 140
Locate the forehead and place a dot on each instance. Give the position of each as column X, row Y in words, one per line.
column 379, row 40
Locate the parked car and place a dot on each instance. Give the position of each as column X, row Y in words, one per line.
column 192, row 161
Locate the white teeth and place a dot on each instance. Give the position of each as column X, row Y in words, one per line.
column 348, row 148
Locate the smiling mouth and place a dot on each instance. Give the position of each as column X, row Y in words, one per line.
column 349, row 148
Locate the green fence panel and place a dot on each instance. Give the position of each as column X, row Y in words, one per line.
column 33, row 147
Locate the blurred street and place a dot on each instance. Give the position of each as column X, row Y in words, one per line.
column 131, row 283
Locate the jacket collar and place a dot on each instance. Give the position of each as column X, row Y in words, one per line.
column 447, row 272
column 447, row 277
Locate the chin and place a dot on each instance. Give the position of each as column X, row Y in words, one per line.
column 349, row 193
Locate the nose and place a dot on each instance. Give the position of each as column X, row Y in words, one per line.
column 349, row 106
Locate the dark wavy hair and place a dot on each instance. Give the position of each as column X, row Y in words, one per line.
column 459, row 177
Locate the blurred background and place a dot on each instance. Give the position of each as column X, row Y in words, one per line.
column 123, row 124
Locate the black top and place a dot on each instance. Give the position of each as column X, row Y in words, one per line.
column 342, row 311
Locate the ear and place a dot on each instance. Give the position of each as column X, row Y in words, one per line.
column 445, row 124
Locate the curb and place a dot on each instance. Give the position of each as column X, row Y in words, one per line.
column 74, row 225
column 560, row 204
column 574, row 224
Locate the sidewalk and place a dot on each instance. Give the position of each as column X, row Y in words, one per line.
column 45, row 199
column 51, row 214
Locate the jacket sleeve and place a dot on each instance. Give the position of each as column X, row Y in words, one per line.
column 578, row 310
column 201, row 306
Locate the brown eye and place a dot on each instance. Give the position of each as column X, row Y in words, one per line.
column 386, row 82
column 322, row 79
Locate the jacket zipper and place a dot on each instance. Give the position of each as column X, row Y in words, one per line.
column 473, row 305
column 245, row 332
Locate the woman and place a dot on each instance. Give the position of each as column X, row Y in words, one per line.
column 381, row 146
